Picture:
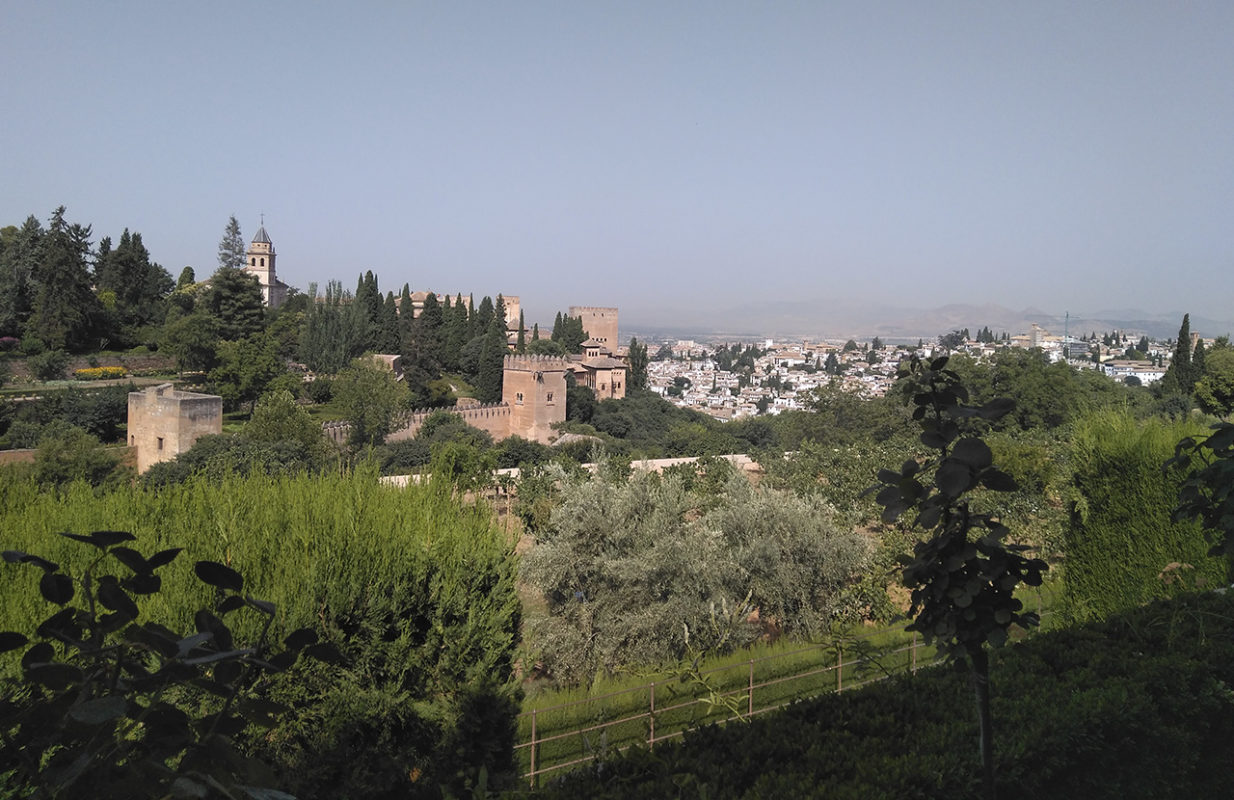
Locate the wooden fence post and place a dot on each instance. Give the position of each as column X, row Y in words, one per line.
column 750, row 692
column 532, row 772
column 651, row 735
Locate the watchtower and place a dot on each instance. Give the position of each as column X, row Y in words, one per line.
column 535, row 389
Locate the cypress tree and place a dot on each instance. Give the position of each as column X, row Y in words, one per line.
column 1197, row 363
column 1178, row 376
column 521, row 346
column 390, row 341
column 492, row 356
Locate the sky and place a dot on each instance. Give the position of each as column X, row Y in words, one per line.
column 654, row 156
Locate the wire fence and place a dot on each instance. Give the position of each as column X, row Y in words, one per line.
column 567, row 735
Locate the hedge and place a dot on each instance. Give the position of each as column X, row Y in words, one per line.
column 1121, row 548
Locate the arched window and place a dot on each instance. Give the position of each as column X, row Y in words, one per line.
column 263, row 262
column 253, row 262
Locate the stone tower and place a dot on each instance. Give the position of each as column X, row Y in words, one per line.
column 535, row 389
column 600, row 324
column 165, row 422
column 259, row 261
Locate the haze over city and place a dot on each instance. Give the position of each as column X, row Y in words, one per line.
column 675, row 160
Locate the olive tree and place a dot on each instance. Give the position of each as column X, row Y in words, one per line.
column 637, row 570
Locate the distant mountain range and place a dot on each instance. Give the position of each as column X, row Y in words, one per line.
column 832, row 320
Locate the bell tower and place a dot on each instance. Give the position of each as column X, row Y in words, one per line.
column 259, row 261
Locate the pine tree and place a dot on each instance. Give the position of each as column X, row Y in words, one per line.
column 478, row 324
column 138, row 284
column 65, row 312
column 231, row 246
column 234, row 301
column 18, row 263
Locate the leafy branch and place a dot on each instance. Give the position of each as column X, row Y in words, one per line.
column 962, row 575
column 134, row 709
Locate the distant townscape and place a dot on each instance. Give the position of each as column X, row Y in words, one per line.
column 729, row 382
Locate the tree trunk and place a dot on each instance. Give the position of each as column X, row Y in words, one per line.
column 980, row 677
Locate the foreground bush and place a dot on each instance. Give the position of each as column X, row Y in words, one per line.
column 115, row 708
column 416, row 591
column 1138, row 706
column 1123, row 547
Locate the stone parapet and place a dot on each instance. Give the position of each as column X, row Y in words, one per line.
column 533, row 363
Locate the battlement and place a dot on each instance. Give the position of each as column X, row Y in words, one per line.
column 491, row 417
column 532, row 363
column 576, row 311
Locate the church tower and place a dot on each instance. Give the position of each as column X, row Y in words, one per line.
column 259, row 261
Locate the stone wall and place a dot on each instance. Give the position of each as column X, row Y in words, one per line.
column 494, row 418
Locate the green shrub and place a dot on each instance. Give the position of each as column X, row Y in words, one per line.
column 48, row 365
column 320, row 390
column 416, row 591
column 1122, row 547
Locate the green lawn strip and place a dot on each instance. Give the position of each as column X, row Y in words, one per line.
column 575, row 724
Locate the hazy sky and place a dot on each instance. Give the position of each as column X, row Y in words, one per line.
column 1070, row 155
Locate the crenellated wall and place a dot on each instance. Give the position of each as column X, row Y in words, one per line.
column 492, row 417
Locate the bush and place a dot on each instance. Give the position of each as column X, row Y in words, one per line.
column 48, row 365
column 24, row 435
column 637, row 572
column 1122, row 548
column 218, row 456
column 99, row 411
column 319, row 390
column 67, row 453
